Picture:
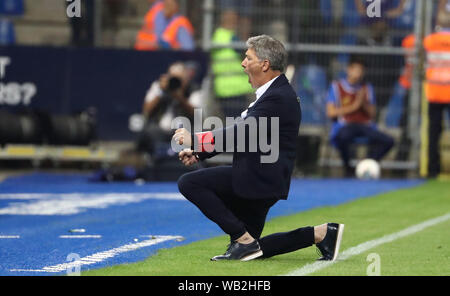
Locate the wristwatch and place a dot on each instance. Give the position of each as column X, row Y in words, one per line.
column 196, row 155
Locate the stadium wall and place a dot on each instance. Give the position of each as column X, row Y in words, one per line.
column 70, row 80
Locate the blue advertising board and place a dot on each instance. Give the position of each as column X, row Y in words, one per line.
column 11, row 7
column 70, row 80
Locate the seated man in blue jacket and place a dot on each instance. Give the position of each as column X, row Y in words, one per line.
column 238, row 197
column 351, row 106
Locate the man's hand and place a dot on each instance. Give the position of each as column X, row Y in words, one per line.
column 187, row 157
column 164, row 81
column 360, row 99
column 359, row 102
column 182, row 137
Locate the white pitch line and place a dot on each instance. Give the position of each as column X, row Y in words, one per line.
column 51, row 204
column 9, row 236
column 102, row 256
column 361, row 248
column 81, row 236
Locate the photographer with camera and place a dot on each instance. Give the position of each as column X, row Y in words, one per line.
column 170, row 96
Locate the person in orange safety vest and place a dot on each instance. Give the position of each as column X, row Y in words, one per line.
column 165, row 28
column 437, row 86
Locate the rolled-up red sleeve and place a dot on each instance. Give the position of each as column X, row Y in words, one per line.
column 203, row 142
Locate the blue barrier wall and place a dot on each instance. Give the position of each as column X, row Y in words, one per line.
column 68, row 80
column 11, row 7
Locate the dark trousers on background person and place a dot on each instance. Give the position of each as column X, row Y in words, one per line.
column 211, row 191
column 83, row 27
column 435, row 117
column 378, row 142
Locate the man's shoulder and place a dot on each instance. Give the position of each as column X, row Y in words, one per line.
column 283, row 96
column 281, row 84
column 280, row 92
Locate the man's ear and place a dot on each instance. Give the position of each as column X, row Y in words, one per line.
column 266, row 66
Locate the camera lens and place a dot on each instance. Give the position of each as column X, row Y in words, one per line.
column 174, row 83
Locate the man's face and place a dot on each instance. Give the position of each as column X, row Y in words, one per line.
column 230, row 19
column 355, row 73
column 179, row 71
column 253, row 67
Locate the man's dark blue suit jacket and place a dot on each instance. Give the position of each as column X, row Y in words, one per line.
column 253, row 179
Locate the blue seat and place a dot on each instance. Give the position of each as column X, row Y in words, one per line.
column 343, row 58
column 351, row 16
column 326, row 10
column 311, row 85
column 395, row 107
column 7, row 32
column 11, row 7
column 406, row 19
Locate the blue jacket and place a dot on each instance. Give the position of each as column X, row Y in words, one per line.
column 253, row 179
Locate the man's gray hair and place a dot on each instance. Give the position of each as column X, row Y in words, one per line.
column 268, row 48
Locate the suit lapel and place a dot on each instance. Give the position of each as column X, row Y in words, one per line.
column 280, row 81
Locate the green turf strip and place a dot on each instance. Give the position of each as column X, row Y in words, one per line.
column 426, row 253
column 365, row 219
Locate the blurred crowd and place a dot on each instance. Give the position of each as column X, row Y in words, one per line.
column 310, row 21
column 320, row 77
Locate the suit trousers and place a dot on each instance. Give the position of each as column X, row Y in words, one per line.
column 212, row 192
column 435, row 128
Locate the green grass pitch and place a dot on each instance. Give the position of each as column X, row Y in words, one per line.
column 423, row 253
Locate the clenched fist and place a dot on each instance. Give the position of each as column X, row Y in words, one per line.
column 182, row 137
column 187, row 157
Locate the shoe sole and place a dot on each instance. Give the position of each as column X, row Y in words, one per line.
column 252, row 256
column 338, row 241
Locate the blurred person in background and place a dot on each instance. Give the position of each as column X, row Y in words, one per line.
column 111, row 11
column 165, row 28
column 9, row 9
column 152, row 159
column 231, row 85
column 244, row 9
column 437, row 85
column 388, row 10
column 374, row 30
column 384, row 68
column 83, row 27
column 172, row 95
column 397, row 107
column 374, row 26
column 351, row 106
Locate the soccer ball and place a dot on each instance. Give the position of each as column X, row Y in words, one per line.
column 368, row 169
